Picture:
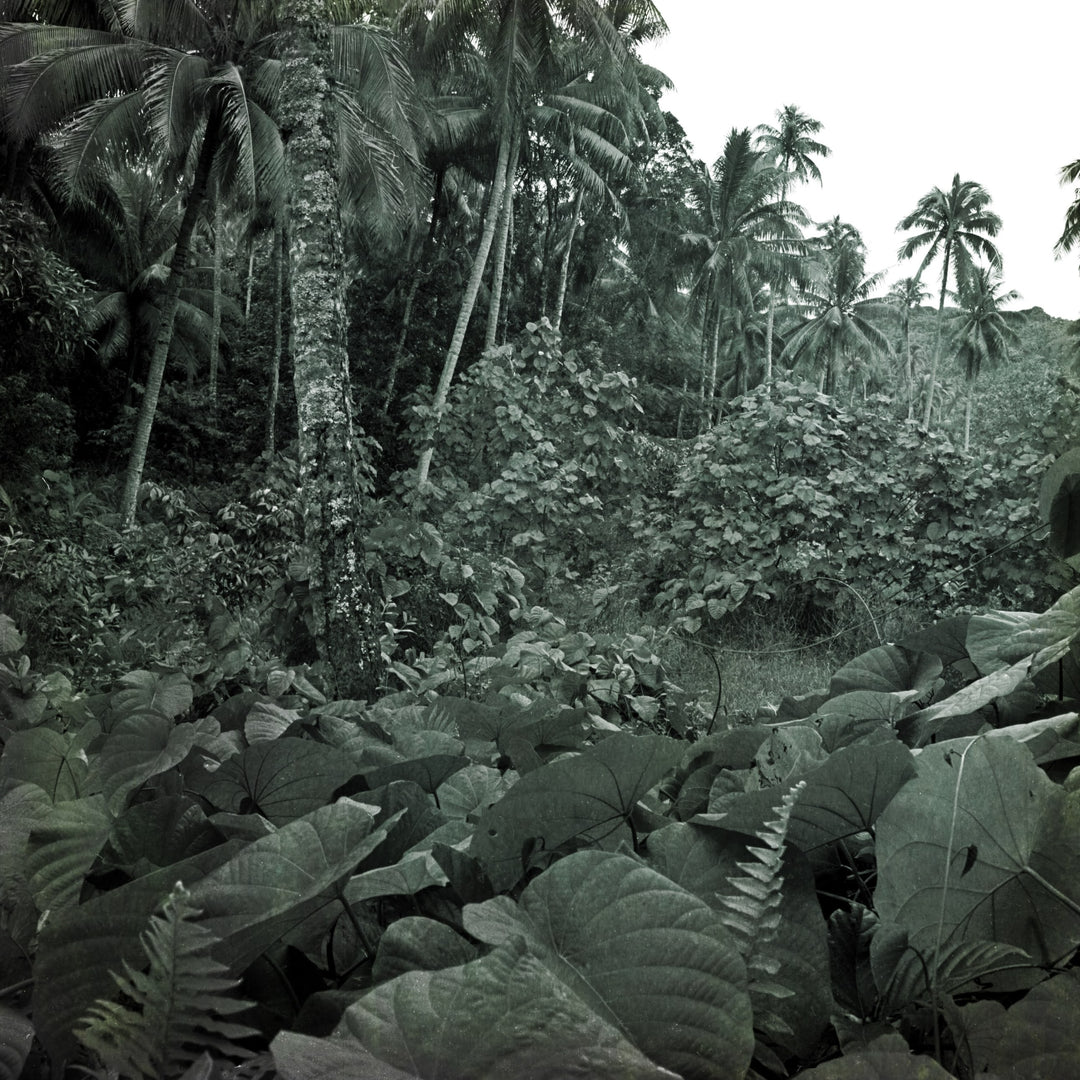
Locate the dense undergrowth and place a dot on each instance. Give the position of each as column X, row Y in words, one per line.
column 538, row 853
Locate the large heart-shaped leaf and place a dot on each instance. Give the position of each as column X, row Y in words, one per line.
column 419, row 944
column 504, row 1015
column 643, row 952
column 1059, row 504
column 887, row 669
column 55, row 762
column 282, row 779
column 149, row 691
column 587, row 798
column 979, row 847
column 304, row 1057
column 157, row 833
column 16, row 1039
column 62, row 847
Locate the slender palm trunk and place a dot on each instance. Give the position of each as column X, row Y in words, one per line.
column 273, row 381
column 937, row 339
column 506, row 215
column 215, row 311
column 170, row 301
column 345, row 609
column 564, row 266
column 909, row 366
column 769, row 338
column 250, row 277
column 468, row 302
column 969, row 402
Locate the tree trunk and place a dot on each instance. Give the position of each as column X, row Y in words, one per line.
column 910, row 367
column 345, row 608
column 564, row 266
column 215, row 310
column 969, row 403
column 277, row 244
column 769, row 337
column 170, row 301
column 937, row 340
column 468, row 302
column 250, row 277
column 506, row 215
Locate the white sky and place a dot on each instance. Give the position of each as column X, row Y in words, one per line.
column 910, row 92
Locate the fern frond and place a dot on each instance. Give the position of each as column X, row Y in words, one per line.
column 171, row 1012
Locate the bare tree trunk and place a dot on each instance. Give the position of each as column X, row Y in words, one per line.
column 769, row 337
column 250, row 277
column 937, row 340
column 215, row 310
column 969, row 403
column 564, row 266
column 506, row 215
column 468, row 302
column 277, row 244
column 346, row 611
column 163, row 339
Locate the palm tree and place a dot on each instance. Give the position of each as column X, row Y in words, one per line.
column 1070, row 234
column 980, row 332
column 955, row 224
column 519, row 46
column 746, row 236
column 842, row 319
column 791, row 146
column 906, row 294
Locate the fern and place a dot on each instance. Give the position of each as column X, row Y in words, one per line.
column 170, row 1013
column 753, row 917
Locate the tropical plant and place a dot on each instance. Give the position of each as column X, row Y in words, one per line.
column 957, row 225
column 1070, row 233
column 793, row 149
column 906, row 294
column 980, row 333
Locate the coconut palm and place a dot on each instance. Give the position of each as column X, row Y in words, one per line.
column 906, row 294
column 1070, row 234
column 957, row 225
column 843, row 313
column 792, row 148
column 980, row 332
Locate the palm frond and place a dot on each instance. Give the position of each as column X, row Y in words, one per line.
column 180, row 23
column 175, row 99
column 107, row 134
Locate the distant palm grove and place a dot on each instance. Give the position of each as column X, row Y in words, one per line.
column 239, row 228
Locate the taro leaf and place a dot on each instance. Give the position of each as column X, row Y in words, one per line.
column 281, row 779
column 587, row 798
column 138, row 747
column 851, row 930
column 998, row 638
column 79, row 946
column 870, row 1063
column 465, row 874
column 415, row 818
column 268, row 720
column 426, row 772
column 1036, row 1037
column 45, row 757
column 420, row 744
column 731, row 749
column 704, row 861
column 16, row 1039
column 62, row 847
column 788, row 754
column 147, row 691
column 887, row 669
column 846, row 794
column 504, row 1015
column 916, row 729
column 10, row 638
column 21, row 808
column 276, row 883
column 1059, row 504
column 645, row 954
column 1050, row 739
column 418, row 944
column 406, row 877
column 979, row 847
column 471, row 789
column 157, row 833
column 304, row 1057
column 945, row 639
column 868, row 705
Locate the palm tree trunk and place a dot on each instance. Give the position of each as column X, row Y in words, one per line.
column 277, row 244
column 969, row 403
column 937, row 339
column 468, row 302
column 506, row 215
column 250, row 277
column 170, row 301
column 769, row 337
column 345, row 608
column 564, row 267
column 910, row 368
column 215, row 315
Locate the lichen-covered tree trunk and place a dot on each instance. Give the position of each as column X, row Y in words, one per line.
column 345, row 607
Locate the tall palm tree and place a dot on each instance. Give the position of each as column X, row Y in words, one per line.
column 906, row 294
column 746, row 235
column 792, row 147
column 1070, row 234
column 519, row 43
column 980, row 332
column 956, row 225
column 843, row 313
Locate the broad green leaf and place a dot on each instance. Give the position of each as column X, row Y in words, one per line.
column 887, row 669
column 885, row 1064
column 1035, row 1038
column 148, row 691
column 945, row 639
column 138, row 747
column 21, row 808
column 268, row 720
column 419, row 944
column 426, row 772
column 851, row 931
column 16, row 1039
column 1059, row 504
column 868, row 705
column 644, row 953
column 279, row 881
column 980, row 846
column 45, row 757
column 1050, row 739
column 704, row 861
column 10, row 638
column 304, row 1057
column 406, row 877
column 587, row 798
column 282, row 779
column 159, row 832
column 471, row 789
column 504, row 1015
column 79, row 946
column 788, row 754
column 999, row 638
column 62, row 847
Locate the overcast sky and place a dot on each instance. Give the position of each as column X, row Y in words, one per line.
column 909, row 94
